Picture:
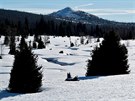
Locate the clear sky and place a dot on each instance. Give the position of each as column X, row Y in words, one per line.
column 118, row 10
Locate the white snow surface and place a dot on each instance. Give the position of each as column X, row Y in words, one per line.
column 66, row 13
column 73, row 60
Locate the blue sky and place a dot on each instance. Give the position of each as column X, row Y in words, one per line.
column 118, row 10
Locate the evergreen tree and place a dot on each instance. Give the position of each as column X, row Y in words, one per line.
column 110, row 58
column 82, row 40
column 41, row 44
column 6, row 40
column 22, row 44
column 36, row 38
column 26, row 27
column 30, row 44
column 34, row 45
column 12, row 45
column 19, row 28
column 41, row 26
column 130, row 35
column 26, row 76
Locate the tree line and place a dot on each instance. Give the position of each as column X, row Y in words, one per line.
column 63, row 28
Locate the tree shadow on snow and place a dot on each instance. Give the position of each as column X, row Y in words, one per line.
column 4, row 72
column 73, row 48
column 87, row 50
column 6, row 94
column 88, row 77
column 45, row 89
column 7, row 66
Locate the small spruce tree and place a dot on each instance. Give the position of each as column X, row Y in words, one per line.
column 12, row 45
column 23, row 44
column 36, row 38
column 41, row 44
column 6, row 41
column 82, row 40
column 110, row 58
column 26, row 76
column 34, row 45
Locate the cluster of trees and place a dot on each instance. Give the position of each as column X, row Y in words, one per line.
column 38, row 43
column 63, row 28
column 9, row 28
column 42, row 27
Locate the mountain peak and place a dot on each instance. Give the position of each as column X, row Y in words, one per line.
column 66, row 12
column 76, row 16
column 67, row 9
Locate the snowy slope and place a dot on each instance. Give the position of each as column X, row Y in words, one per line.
column 73, row 60
column 76, row 16
column 68, row 14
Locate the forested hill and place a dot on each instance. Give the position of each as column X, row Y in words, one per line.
column 63, row 22
column 15, row 16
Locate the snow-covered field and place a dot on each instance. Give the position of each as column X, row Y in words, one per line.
column 73, row 60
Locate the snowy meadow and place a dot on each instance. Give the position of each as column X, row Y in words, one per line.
column 74, row 59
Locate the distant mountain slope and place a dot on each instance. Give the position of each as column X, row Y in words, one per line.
column 66, row 14
column 80, row 16
column 77, row 16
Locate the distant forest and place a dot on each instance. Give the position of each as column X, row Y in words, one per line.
column 22, row 23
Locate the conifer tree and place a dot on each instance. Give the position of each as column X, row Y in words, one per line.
column 12, row 45
column 6, row 40
column 110, row 58
column 36, row 38
column 26, row 76
column 22, row 44
column 26, row 28
column 41, row 44
column 34, row 45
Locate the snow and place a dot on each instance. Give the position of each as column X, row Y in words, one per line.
column 73, row 60
column 66, row 13
column 76, row 16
